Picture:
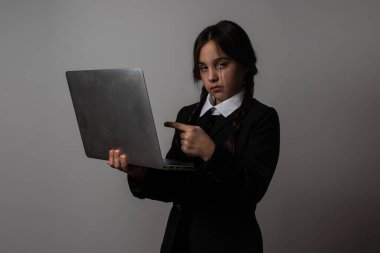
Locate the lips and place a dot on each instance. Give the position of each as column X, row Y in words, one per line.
column 216, row 89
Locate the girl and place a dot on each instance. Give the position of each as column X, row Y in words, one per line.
column 233, row 140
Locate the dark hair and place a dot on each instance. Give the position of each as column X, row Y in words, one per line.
column 235, row 43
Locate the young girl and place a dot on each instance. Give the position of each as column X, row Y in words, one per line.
column 233, row 140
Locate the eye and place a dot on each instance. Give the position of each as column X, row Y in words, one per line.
column 202, row 68
column 221, row 65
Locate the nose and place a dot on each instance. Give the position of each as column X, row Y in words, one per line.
column 213, row 75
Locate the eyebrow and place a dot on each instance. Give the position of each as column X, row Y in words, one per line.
column 217, row 59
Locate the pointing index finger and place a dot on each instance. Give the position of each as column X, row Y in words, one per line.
column 176, row 125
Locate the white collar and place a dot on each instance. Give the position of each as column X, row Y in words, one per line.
column 226, row 107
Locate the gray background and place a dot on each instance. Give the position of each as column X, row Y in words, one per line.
column 319, row 67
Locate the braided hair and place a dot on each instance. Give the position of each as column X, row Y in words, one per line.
column 235, row 43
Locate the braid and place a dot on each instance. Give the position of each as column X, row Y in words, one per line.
column 242, row 111
column 198, row 108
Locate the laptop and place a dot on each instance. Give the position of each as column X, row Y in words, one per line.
column 113, row 111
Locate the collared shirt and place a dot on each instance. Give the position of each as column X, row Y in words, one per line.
column 226, row 107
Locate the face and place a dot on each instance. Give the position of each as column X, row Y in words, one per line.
column 221, row 75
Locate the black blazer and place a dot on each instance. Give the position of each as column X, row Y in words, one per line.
column 214, row 207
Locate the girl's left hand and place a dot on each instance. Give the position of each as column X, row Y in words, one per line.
column 194, row 141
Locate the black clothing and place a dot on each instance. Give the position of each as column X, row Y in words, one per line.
column 214, row 206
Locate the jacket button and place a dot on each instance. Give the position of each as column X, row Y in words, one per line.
column 178, row 206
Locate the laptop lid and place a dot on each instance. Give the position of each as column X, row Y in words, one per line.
column 113, row 111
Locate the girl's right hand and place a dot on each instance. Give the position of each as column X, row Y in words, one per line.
column 118, row 160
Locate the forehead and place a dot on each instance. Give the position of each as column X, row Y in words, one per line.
column 210, row 52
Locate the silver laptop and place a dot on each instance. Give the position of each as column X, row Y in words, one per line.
column 113, row 111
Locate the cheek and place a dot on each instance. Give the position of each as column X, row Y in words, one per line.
column 204, row 81
column 229, row 78
column 233, row 80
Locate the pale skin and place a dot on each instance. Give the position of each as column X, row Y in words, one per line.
column 222, row 77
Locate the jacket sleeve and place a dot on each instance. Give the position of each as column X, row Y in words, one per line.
column 249, row 175
column 166, row 186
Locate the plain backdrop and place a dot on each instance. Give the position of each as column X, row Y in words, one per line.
column 318, row 66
